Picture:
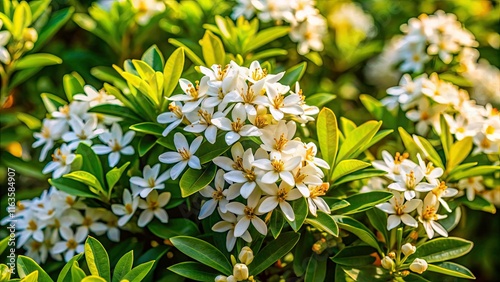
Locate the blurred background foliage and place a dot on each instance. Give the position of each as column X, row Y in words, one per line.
column 339, row 69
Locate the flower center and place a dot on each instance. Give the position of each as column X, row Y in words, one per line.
column 153, row 205
column 193, row 90
column 398, row 158
column 278, row 165
column 281, row 195
column 249, row 96
column 278, row 101
column 128, row 208
column 249, row 212
column 151, row 182
column 485, row 143
column 185, row 154
column 490, row 130
column 238, row 163
column 237, row 125
column 280, row 143
column 429, row 168
column 45, row 132
column 35, row 245
column 82, row 135
column 175, row 109
column 217, row 195
column 250, row 175
column 410, row 180
column 319, row 190
column 259, row 73
column 206, row 117
column 65, row 111
column 440, row 189
column 261, row 121
column 429, row 214
column 70, row 201
column 71, row 244
column 116, row 147
column 87, row 221
column 32, row 225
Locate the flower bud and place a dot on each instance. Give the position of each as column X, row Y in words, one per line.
column 392, row 255
column 418, row 266
column 220, row 278
column 30, row 34
column 387, row 263
column 408, row 249
column 240, row 271
column 246, row 255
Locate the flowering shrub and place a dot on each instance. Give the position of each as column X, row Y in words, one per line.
column 226, row 161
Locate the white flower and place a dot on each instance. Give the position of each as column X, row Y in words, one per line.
column 277, row 139
column 426, row 116
column 409, row 182
column 116, row 144
column 74, row 109
column 228, row 223
column 240, row 271
column 276, row 10
column 309, row 34
column 61, row 162
column 307, row 175
column 442, row 191
column 31, row 227
column 82, row 132
column 485, row 145
column 236, row 127
column 218, row 196
column 72, row 243
column 150, row 181
column 174, row 117
column 153, row 206
column 431, row 173
column 279, row 196
column 90, row 222
column 428, row 217
column 228, row 164
column 315, row 202
column 4, row 39
column 194, row 94
column 52, row 130
column 204, row 123
column 246, row 255
column 184, row 155
column 279, row 105
column 94, row 97
column 244, row 174
column 243, row 8
column 473, row 185
column 408, row 90
column 278, row 168
column 310, row 157
column 249, row 214
column 113, row 232
column 146, row 9
column 399, row 211
column 127, row 210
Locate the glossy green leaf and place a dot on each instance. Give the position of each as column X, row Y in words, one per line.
column 360, row 174
column 86, row 178
column 173, row 71
column 294, row 74
column 273, row 251
column 114, row 175
column 346, row 167
column 356, row 139
column 52, row 102
column 195, row 271
column 65, row 274
column 193, row 180
column 328, row 138
column 359, row 229
column 37, row 60
column 56, row 21
column 276, row 223
column 123, row 266
column 315, row 270
column 146, row 143
column 21, row 19
column 213, row 49
column 458, row 152
column 77, row 274
column 324, row 222
column 378, row 219
column 91, row 162
column 265, row 36
column 148, row 128
column 479, row 203
column 355, row 256
column 320, row 99
column 451, row 269
column 410, row 145
column 364, row 201
column 203, row 252
column 428, row 150
column 72, row 86
column 26, row 265
column 174, row 227
column 301, row 210
column 475, row 171
column 72, row 187
column 445, row 136
column 38, row 7
column 441, row 249
column 153, row 58
column 139, row 272
column 97, row 258
column 116, row 111
column 93, row 278
column 207, row 152
column 32, row 277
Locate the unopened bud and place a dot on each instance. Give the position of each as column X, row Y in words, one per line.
column 418, row 266
column 220, row 278
column 28, row 45
column 240, row 272
column 392, row 255
column 408, row 249
column 387, row 263
column 246, row 255
column 405, row 273
column 30, row 35
column 414, row 235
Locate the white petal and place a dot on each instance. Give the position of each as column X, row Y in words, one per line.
column 241, row 226
column 268, row 204
column 393, row 221
column 287, row 210
column 409, row 220
column 260, row 225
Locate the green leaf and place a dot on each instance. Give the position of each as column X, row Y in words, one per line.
column 72, row 86
column 73, row 187
column 189, row 52
column 268, row 53
column 479, row 203
column 139, row 272
column 325, row 223
column 294, row 74
column 213, row 49
column 355, row 256
column 347, row 126
column 148, row 128
column 207, row 152
column 114, row 175
column 21, row 76
column 31, row 122
column 356, row 139
column 451, row 269
column 77, row 274
column 195, row 271
column 461, row 168
column 475, row 171
column 52, row 102
column 441, row 249
column 21, row 19
column 146, row 143
column 359, row 229
column 378, row 219
column 458, row 152
column 265, row 36
column 428, row 151
column 26, row 265
column 4, row 243
column 116, row 111
column 409, row 143
column 93, row 278
column 320, row 99
column 174, row 227
column 364, row 201
column 377, row 138
column 173, row 71
column 38, row 7
column 37, row 60
column 57, row 20
column 361, row 174
column 97, row 258
column 328, row 137
column 276, row 223
column 203, row 252
column 316, row 270
column 193, row 180
column 346, row 167
column 91, row 162
column 300, row 208
column 446, row 138
column 123, row 266
column 32, row 277
column 153, row 58
column 86, row 178
column 65, row 274
column 273, row 251
column 378, row 110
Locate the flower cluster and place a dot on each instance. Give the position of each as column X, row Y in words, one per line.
column 411, row 183
column 57, row 223
column 308, row 26
column 426, row 99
